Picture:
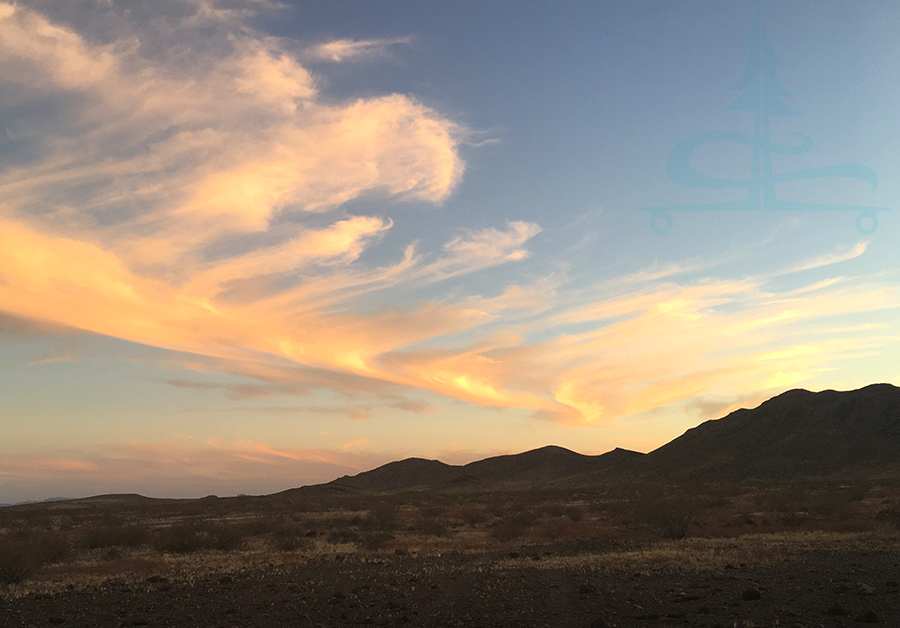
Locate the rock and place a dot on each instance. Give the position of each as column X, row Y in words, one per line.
column 57, row 620
column 225, row 580
column 868, row 617
column 156, row 579
column 837, row 610
column 513, row 554
column 864, row 589
column 401, row 552
column 599, row 623
column 751, row 594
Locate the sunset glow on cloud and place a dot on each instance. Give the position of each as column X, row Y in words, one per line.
column 282, row 246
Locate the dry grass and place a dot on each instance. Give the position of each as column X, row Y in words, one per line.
column 47, row 547
column 714, row 554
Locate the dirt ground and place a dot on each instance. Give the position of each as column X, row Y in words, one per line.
column 558, row 585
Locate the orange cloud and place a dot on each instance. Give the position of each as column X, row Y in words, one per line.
column 185, row 467
column 19, row 466
column 219, row 229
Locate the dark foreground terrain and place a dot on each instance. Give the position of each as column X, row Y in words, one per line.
column 542, row 586
column 809, row 554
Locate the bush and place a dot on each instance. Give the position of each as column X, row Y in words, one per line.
column 100, row 536
column 225, row 537
column 432, row 527
column 375, row 540
column 474, row 516
column 52, row 547
column 17, row 561
column 671, row 518
column 289, row 537
column 513, row 526
column 675, row 524
column 575, row 513
column 343, row 536
column 382, row 517
column 181, row 538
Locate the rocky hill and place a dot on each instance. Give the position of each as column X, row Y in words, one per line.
column 798, row 434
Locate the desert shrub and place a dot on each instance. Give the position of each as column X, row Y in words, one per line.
column 670, row 517
column 382, row 517
column 831, row 503
column 551, row 530
column 289, row 537
column 889, row 517
column 52, row 547
column 432, row 527
column 260, row 525
column 498, row 508
column 225, row 537
column 193, row 536
column 513, row 526
column 345, row 535
column 114, row 535
column 555, row 510
column 374, row 540
column 18, row 561
column 675, row 523
column 574, row 513
column 431, row 511
column 474, row 516
column 181, row 538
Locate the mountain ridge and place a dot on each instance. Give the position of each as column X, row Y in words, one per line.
column 796, row 434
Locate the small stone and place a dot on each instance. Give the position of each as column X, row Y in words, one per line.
column 225, row 580
column 864, row 589
column 57, row 620
column 869, row 617
column 513, row 554
column 837, row 610
column 401, row 552
column 751, row 594
column 599, row 623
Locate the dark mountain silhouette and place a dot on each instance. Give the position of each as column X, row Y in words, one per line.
column 798, row 434
column 537, row 467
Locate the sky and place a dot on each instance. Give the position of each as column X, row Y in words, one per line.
column 248, row 245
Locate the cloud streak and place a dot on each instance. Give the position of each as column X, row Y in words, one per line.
column 189, row 191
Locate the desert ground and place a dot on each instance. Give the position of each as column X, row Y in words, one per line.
column 730, row 555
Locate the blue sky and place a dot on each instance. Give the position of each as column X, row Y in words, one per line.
column 246, row 246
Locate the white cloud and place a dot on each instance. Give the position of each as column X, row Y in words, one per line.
column 340, row 50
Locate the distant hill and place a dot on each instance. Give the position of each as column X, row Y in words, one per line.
column 796, row 434
column 546, row 466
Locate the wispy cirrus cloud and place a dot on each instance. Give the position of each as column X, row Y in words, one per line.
column 339, row 50
column 189, row 191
